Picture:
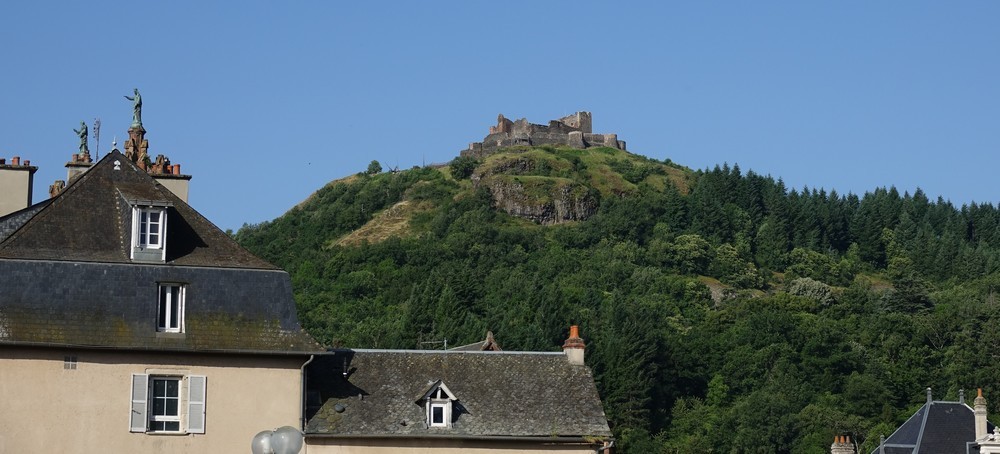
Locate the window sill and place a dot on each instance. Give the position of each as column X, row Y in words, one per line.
column 167, row 434
column 166, row 335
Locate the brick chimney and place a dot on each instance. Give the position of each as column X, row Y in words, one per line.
column 573, row 347
column 842, row 445
column 16, row 180
column 979, row 407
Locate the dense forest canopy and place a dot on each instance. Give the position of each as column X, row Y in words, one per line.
column 723, row 312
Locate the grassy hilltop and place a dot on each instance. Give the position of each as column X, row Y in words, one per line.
column 722, row 311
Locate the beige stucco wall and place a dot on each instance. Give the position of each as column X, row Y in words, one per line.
column 176, row 185
column 316, row 445
column 15, row 189
column 45, row 408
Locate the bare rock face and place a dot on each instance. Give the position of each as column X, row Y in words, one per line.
column 542, row 199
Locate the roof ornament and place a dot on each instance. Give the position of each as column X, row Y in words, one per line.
column 136, row 107
column 929, row 398
column 82, row 133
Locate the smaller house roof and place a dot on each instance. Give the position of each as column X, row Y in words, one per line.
column 937, row 427
column 370, row 393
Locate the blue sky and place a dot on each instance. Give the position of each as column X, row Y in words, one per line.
column 265, row 102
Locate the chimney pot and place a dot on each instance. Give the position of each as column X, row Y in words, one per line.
column 27, row 162
column 574, row 346
column 15, row 161
column 177, row 169
column 3, row 161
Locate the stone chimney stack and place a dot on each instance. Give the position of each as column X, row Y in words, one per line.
column 78, row 164
column 16, row 180
column 573, row 347
column 979, row 407
column 842, row 445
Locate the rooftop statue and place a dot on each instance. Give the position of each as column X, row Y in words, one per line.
column 82, row 133
column 136, row 107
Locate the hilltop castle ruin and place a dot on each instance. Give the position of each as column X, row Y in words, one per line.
column 573, row 130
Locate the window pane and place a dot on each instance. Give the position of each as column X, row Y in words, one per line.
column 161, row 309
column 172, row 426
column 437, row 415
column 174, row 307
column 172, row 388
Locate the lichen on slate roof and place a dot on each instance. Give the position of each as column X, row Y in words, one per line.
column 502, row 394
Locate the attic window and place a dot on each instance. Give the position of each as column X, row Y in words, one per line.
column 438, row 404
column 149, row 233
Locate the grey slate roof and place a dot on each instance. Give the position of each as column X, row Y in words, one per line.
column 937, row 427
column 66, row 278
column 90, row 222
column 500, row 394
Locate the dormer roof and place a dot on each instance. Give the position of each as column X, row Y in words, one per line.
column 432, row 390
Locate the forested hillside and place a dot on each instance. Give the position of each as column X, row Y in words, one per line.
column 722, row 311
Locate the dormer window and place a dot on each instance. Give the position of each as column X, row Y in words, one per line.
column 439, row 405
column 149, row 233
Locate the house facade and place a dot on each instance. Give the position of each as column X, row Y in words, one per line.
column 130, row 323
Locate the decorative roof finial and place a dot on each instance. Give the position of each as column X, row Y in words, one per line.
column 929, row 398
column 82, row 133
column 136, row 107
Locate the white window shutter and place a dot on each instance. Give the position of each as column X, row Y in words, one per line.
column 196, row 404
column 140, row 393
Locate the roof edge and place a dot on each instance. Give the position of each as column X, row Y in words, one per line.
column 576, row 439
column 438, row 352
column 162, row 350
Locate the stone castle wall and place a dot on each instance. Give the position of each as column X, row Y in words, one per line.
column 574, row 130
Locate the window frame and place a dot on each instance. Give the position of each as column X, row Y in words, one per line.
column 153, row 418
column 142, row 248
column 173, row 306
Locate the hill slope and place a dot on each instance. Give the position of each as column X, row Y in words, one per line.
column 712, row 301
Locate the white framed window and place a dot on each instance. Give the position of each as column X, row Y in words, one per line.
column 170, row 308
column 165, row 400
column 150, row 226
column 149, row 233
column 438, row 416
column 168, row 403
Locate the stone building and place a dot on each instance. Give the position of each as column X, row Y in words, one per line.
column 575, row 131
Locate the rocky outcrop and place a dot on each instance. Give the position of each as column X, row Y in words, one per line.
column 562, row 202
column 540, row 198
